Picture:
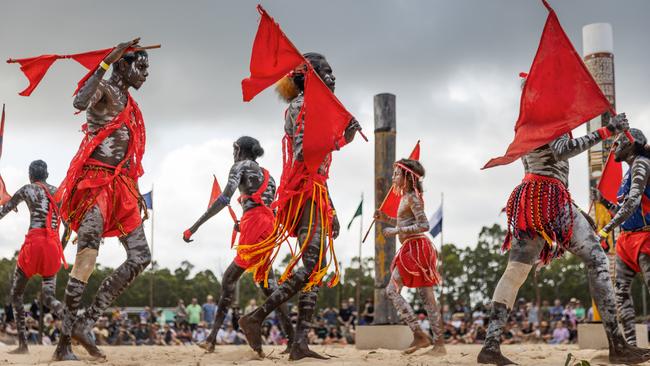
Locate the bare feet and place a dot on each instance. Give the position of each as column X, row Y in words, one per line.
column 493, row 358
column 252, row 331
column 420, row 340
column 207, row 346
column 63, row 350
column 628, row 354
column 21, row 350
column 437, row 350
column 81, row 334
column 300, row 351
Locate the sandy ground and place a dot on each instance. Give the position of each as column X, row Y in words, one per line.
column 341, row 355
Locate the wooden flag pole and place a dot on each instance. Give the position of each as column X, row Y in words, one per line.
column 374, row 220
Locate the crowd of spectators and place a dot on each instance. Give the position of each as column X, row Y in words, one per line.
column 191, row 324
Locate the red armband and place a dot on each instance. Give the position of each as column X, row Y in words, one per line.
column 604, row 133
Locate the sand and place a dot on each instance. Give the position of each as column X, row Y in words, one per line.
column 530, row 354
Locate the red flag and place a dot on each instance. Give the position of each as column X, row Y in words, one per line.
column 35, row 68
column 4, row 196
column 559, row 95
column 272, row 58
column 216, row 192
column 391, row 202
column 610, row 180
column 325, row 121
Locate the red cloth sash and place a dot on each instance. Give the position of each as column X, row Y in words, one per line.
column 256, row 225
column 77, row 177
column 630, row 244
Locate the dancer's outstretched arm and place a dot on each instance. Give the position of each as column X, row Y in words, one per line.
column 15, row 200
column 564, row 147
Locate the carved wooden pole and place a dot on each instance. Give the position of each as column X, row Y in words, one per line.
column 385, row 131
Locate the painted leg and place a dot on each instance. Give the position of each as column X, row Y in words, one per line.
column 138, row 258
column 251, row 324
column 49, row 298
column 17, row 291
column 88, row 239
column 405, row 312
column 523, row 254
column 229, row 282
column 433, row 313
column 624, row 302
column 584, row 244
column 282, row 312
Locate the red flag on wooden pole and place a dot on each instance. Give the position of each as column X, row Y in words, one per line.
column 272, row 58
column 611, row 178
column 559, row 95
column 35, row 68
column 391, row 202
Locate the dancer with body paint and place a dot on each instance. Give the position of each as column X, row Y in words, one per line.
column 633, row 215
column 543, row 222
column 415, row 265
column 41, row 253
column 305, row 211
column 257, row 188
column 100, row 196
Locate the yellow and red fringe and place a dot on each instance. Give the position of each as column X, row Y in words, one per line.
column 286, row 224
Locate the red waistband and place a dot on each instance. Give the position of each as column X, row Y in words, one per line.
column 96, row 163
column 529, row 177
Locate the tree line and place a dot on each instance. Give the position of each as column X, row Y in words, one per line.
column 470, row 274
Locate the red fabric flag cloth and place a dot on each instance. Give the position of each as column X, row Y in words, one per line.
column 272, row 58
column 391, row 202
column 4, row 195
column 559, row 95
column 216, row 192
column 35, row 68
column 325, row 121
column 610, row 180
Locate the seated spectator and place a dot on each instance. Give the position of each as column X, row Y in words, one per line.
column 169, row 336
column 560, row 334
column 334, row 337
column 124, row 337
column 424, row 323
column 100, row 331
column 142, row 333
column 184, row 334
column 227, row 335
column 368, row 314
column 200, row 334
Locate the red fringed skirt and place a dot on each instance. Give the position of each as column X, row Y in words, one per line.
column 256, row 225
column 630, row 244
column 41, row 253
column 540, row 206
column 416, row 262
column 117, row 197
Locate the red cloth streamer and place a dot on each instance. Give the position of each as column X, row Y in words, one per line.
column 132, row 118
column 391, row 202
column 4, row 195
column 559, row 95
column 325, row 121
column 272, row 58
column 35, row 68
column 611, row 178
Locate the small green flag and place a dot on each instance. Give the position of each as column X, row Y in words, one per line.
column 357, row 213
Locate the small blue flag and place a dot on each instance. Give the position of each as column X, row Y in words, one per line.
column 148, row 199
column 435, row 222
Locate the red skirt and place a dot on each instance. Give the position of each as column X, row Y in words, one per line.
column 41, row 253
column 255, row 225
column 117, row 197
column 630, row 244
column 416, row 262
column 540, row 206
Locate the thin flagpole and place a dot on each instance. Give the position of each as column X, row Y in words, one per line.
column 360, row 262
column 440, row 257
column 153, row 272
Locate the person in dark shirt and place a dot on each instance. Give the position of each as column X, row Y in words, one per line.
column 368, row 314
column 142, row 334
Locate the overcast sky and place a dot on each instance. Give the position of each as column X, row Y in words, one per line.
column 453, row 65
